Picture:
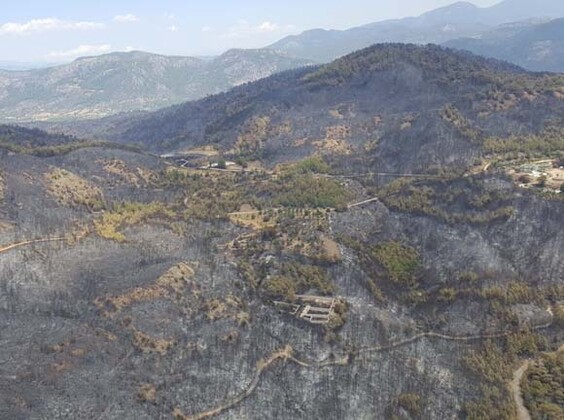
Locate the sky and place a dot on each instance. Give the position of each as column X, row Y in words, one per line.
column 62, row 30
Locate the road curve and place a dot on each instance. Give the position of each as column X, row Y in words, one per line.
column 515, row 388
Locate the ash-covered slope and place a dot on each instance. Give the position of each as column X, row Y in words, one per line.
column 134, row 289
column 398, row 97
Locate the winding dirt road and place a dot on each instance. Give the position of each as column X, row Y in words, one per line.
column 286, row 354
column 26, row 243
column 515, row 388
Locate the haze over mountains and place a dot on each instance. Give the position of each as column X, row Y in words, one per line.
column 537, row 47
column 457, row 20
column 94, row 87
column 100, row 86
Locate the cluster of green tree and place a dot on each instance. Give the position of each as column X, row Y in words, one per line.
column 311, row 165
column 511, row 293
column 438, row 63
column 210, row 196
column 61, row 149
column 401, row 262
column 306, row 190
column 396, row 266
column 464, row 203
column 408, row 402
column 497, row 300
column 40, row 143
column 32, row 137
column 452, row 115
column 492, row 367
column 213, row 196
column 545, row 143
column 294, row 278
column 543, row 387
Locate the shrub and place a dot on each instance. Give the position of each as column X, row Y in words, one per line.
column 401, row 261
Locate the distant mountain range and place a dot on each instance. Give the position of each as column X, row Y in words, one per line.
column 458, row 20
column 537, row 47
column 518, row 31
column 94, row 87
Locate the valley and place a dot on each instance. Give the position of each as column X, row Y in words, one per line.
column 350, row 240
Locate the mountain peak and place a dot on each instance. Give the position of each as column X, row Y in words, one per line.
column 430, row 59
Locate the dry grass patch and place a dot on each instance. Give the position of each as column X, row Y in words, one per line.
column 70, row 190
column 129, row 214
column 255, row 132
column 119, row 167
column 147, row 393
column 331, row 249
column 133, row 177
column 335, row 141
column 148, row 344
column 230, row 307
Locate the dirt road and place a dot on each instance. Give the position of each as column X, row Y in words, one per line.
column 515, row 388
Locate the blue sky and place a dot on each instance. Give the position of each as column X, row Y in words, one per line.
column 61, row 30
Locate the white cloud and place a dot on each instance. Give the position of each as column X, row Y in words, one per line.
column 267, row 27
column 243, row 29
column 43, row 25
column 207, row 29
column 173, row 28
column 128, row 18
column 80, row 51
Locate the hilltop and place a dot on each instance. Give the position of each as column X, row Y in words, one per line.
column 406, row 107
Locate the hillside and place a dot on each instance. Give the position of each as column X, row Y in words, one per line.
column 406, row 108
column 536, row 47
column 138, row 287
column 93, row 87
column 392, row 220
column 458, row 20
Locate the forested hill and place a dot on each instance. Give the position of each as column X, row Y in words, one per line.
column 409, row 106
column 95, row 87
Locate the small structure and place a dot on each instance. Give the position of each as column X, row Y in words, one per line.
column 313, row 309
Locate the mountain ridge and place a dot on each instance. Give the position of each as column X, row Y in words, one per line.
column 331, row 108
column 93, row 87
column 457, row 20
column 537, row 47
